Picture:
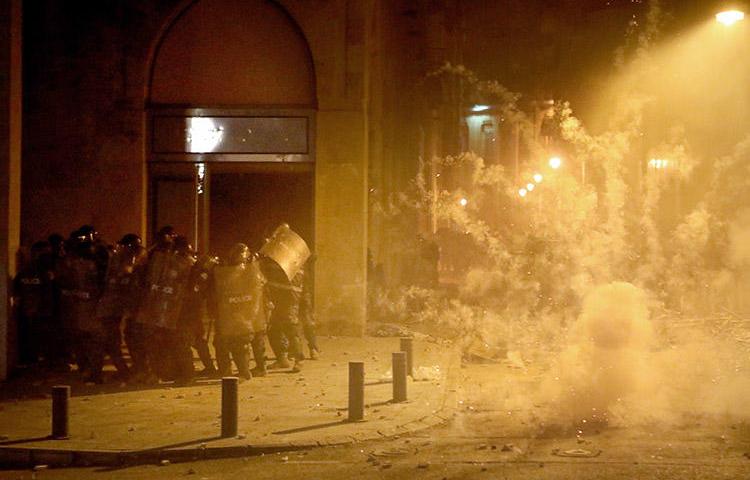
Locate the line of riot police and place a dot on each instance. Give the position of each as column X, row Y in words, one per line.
column 74, row 298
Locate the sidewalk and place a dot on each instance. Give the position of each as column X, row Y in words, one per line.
column 120, row 424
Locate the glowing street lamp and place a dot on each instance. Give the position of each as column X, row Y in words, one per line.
column 530, row 187
column 538, row 177
column 659, row 163
column 463, row 202
column 555, row 163
column 730, row 17
column 522, row 192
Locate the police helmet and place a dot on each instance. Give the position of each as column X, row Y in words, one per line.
column 238, row 254
column 130, row 240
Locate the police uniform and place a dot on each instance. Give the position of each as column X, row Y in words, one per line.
column 166, row 278
column 79, row 281
column 240, row 307
column 119, row 300
column 284, row 326
column 34, row 291
column 190, row 327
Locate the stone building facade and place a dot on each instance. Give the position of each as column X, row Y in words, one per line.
column 98, row 78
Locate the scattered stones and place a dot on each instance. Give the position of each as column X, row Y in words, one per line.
column 482, row 446
column 164, row 463
column 508, row 447
column 256, row 419
column 285, row 458
column 131, row 428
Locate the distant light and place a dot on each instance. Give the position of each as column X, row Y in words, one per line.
column 555, row 163
column 463, row 202
column 522, row 192
column 730, row 17
column 658, row 163
column 538, row 177
column 480, row 108
column 530, row 187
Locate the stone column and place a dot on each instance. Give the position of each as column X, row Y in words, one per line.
column 10, row 164
column 341, row 222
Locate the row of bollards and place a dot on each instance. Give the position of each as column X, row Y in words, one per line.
column 229, row 409
column 402, row 366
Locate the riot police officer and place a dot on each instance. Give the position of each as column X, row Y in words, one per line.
column 138, row 330
column 120, row 296
column 81, row 280
column 284, row 326
column 34, row 295
column 166, row 278
column 239, row 305
column 191, row 331
column 306, row 313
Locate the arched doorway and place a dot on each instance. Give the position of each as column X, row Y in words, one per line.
column 231, row 121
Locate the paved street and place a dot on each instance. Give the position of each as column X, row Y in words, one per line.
column 484, row 440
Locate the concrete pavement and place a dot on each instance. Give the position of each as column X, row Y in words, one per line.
column 123, row 424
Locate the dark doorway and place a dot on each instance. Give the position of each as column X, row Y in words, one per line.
column 247, row 206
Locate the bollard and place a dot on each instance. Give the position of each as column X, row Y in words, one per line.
column 407, row 346
column 399, row 376
column 229, row 410
column 60, row 401
column 356, row 391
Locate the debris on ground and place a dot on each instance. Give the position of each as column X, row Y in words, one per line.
column 164, row 463
column 427, row 373
column 389, row 330
column 391, row 452
column 576, row 452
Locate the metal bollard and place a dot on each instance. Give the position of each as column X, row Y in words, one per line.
column 399, row 376
column 407, row 346
column 356, row 391
column 229, row 411
column 60, row 402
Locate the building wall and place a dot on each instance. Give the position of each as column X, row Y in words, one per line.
column 10, row 163
column 83, row 150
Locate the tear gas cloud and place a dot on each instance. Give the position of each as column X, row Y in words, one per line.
column 624, row 284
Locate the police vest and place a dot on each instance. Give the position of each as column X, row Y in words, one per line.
column 36, row 296
column 121, row 285
column 167, row 276
column 79, row 292
column 239, row 294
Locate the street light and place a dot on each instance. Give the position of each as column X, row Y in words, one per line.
column 538, row 177
column 463, row 202
column 530, row 187
column 555, row 163
column 730, row 17
column 522, row 192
